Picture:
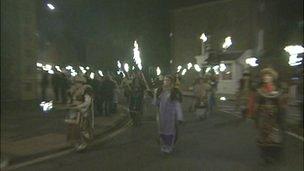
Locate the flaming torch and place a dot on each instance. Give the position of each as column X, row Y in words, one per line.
column 136, row 57
column 126, row 67
column 158, row 71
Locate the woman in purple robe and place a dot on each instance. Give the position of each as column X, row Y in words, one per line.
column 168, row 99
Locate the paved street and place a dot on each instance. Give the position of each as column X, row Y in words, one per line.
column 222, row 142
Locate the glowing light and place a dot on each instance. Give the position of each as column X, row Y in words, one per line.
column 158, row 71
column 222, row 67
column 73, row 74
column 216, row 67
column 39, row 64
column 100, row 73
column 203, row 37
column 293, row 51
column 92, row 75
column 208, row 69
column 118, row 64
column 189, row 66
column 136, row 56
column 46, row 106
column 51, row 6
column 184, row 71
column 223, row 98
column 251, row 62
column 48, row 67
column 197, row 68
column 51, row 71
column 171, row 61
column 126, row 67
column 294, row 60
column 87, row 68
column 227, row 42
column 84, row 71
column 179, row 68
column 123, row 74
column 58, row 68
column 68, row 67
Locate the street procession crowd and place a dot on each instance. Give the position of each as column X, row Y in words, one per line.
column 264, row 100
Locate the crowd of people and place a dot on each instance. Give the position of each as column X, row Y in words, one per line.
column 265, row 102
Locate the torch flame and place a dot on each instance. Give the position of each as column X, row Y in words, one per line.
column 136, row 56
column 126, row 67
column 158, row 71
column 118, row 64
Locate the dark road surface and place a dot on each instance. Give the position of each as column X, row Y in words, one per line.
column 220, row 143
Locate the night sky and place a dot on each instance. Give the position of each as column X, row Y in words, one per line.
column 104, row 30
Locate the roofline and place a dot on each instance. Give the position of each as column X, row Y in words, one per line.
column 199, row 5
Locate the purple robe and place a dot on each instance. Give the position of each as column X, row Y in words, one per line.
column 169, row 113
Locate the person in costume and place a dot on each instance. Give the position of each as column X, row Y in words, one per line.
column 81, row 116
column 167, row 98
column 268, row 116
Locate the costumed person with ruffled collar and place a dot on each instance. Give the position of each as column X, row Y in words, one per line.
column 269, row 108
column 168, row 100
column 81, row 116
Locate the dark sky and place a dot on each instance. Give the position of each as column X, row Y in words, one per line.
column 101, row 31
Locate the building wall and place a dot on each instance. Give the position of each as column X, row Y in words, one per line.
column 18, row 50
column 280, row 21
column 235, row 18
column 219, row 19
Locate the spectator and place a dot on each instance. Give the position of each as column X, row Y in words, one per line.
column 44, row 84
column 107, row 92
